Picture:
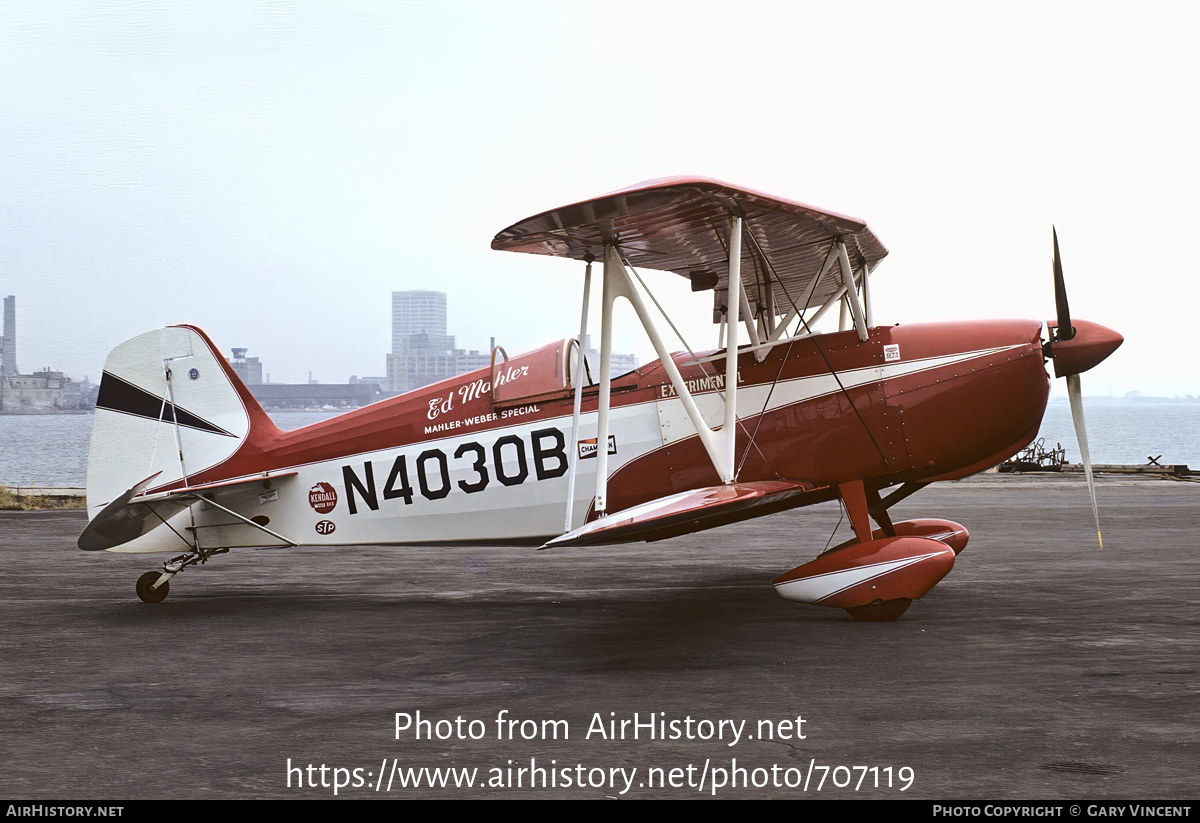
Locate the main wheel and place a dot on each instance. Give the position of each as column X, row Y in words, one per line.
column 881, row 610
column 149, row 595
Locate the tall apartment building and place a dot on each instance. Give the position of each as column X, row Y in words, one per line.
column 423, row 353
column 419, row 321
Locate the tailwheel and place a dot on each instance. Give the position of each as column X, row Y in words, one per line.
column 881, row 610
column 152, row 595
column 171, row 568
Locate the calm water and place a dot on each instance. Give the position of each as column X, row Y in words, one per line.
column 1128, row 431
column 51, row 449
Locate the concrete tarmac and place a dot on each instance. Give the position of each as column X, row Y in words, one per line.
column 1040, row 668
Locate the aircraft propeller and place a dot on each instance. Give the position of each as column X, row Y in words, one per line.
column 1075, row 348
column 1065, row 330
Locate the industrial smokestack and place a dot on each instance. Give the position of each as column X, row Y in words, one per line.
column 8, row 362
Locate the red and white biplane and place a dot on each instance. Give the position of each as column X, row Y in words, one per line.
column 534, row 451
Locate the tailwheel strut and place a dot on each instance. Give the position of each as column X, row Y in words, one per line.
column 152, row 587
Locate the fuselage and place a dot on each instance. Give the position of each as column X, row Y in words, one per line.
column 466, row 461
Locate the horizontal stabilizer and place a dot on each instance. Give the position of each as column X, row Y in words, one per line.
column 686, row 512
column 218, row 486
column 122, row 520
column 134, row 513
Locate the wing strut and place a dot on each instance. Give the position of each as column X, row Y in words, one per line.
column 860, row 323
column 580, row 370
column 802, row 306
column 846, row 295
column 719, row 446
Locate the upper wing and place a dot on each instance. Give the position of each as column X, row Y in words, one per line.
column 680, row 224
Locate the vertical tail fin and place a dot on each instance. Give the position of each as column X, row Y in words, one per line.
column 169, row 404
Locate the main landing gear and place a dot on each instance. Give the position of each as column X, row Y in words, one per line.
column 881, row 610
column 152, row 587
column 877, row 575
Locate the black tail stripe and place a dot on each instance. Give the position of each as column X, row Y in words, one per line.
column 122, row 396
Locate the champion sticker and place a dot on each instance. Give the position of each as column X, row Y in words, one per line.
column 326, row 527
column 323, row 498
column 193, row 374
column 587, row 448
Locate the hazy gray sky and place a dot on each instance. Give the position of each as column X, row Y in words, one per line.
column 273, row 171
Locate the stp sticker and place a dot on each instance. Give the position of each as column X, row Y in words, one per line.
column 323, row 498
column 326, row 527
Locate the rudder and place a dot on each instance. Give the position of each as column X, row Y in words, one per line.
column 169, row 408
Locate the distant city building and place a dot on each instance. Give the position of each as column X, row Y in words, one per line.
column 618, row 363
column 379, row 382
column 41, row 393
column 423, row 353
column 315, row 396
column 419, row 321
column 249, row 369
column 294, row 396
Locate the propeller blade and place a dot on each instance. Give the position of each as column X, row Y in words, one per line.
column 1065, row 330
column 1075, row 393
